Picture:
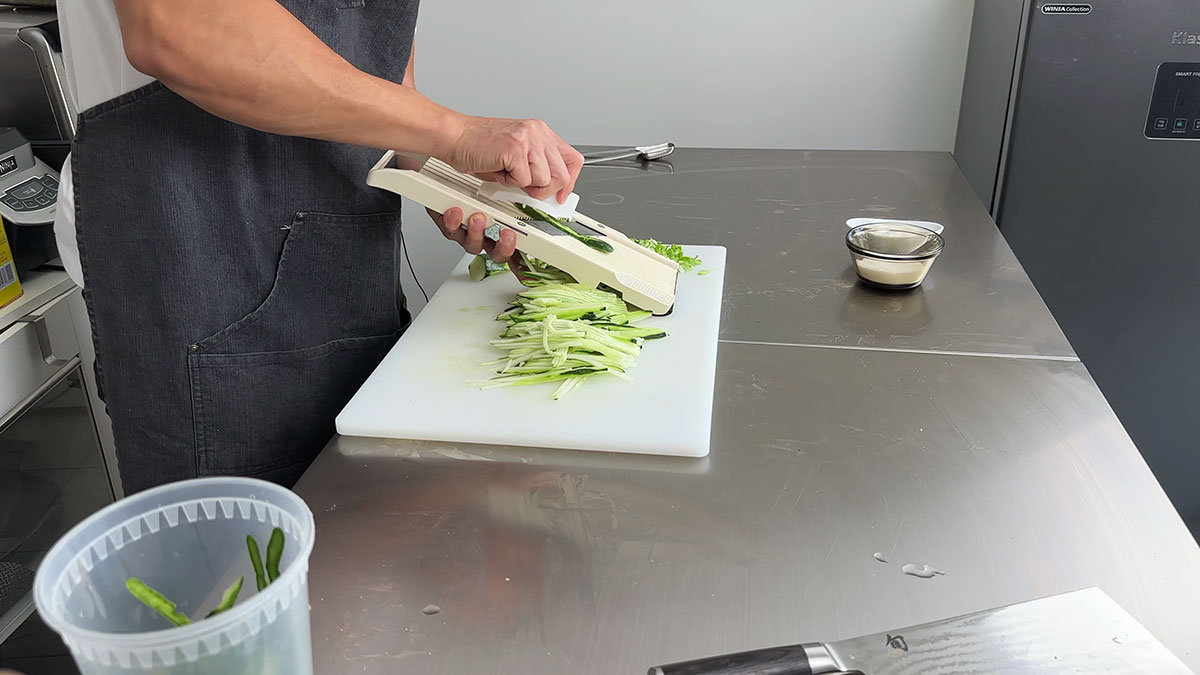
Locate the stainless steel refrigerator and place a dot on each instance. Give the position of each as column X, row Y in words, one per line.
column 1080, row 129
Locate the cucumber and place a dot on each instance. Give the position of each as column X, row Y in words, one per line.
column 482, row 267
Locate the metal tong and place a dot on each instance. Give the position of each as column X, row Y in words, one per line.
column 644, row 152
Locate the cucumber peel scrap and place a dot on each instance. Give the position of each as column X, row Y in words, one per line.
column 274, row 554
column 260, row 577
column 159, row 602
column 228, row 598
column 482, row 267
column 156, row 601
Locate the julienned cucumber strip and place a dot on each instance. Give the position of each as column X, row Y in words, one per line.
column 566, row 333
column 561, row 331
column 537, row 214
column 672, row 251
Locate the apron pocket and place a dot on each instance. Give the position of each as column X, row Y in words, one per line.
column 336, row 278
column 258, row 413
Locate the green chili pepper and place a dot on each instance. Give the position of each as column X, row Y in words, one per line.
column 260, row 578
column 274, row 554
column 230, row 597
column 156, row 601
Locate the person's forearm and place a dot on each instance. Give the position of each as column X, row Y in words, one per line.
column 252, row 62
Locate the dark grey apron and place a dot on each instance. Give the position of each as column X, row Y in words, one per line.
column 241, row 285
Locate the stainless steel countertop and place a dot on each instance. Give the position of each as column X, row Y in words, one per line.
column 1010, row 474
column 789, row 278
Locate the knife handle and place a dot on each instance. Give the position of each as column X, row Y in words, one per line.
column 790, row 660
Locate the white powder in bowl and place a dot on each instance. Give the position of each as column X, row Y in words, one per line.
column 893, row 272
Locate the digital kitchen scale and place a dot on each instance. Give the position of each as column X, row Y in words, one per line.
column 28, row 186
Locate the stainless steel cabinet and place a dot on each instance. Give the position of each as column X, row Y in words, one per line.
column 52, row 470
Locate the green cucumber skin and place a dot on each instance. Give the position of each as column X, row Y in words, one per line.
column 538, row 214
column 274, row 554
column 260, row 576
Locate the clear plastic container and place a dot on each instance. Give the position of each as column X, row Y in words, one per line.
column 188, row 541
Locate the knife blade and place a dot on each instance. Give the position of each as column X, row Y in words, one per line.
column 1080, row 632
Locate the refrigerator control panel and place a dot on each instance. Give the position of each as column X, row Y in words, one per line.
column 1175, row 103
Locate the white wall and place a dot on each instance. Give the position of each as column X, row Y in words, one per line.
column 846, row 74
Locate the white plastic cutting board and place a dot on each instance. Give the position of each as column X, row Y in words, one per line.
column 420, row 390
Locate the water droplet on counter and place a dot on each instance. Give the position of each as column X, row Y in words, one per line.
column 922, row 571
column 880, row 557
column 430, row 610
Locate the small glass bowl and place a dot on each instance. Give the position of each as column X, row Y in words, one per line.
column 893, row 256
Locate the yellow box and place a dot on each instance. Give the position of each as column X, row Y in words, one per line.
column 10, row 286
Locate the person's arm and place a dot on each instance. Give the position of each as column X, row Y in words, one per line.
column 450, row 223
column 253, row 63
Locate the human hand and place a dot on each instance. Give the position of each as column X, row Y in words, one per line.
column 525, row 154
column 472, row 240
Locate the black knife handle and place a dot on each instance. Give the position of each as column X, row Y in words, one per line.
column 790, row 660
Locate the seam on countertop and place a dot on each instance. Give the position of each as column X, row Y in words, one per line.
column 906, row 350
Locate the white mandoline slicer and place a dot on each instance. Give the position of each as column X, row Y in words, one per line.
column 644, row 278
